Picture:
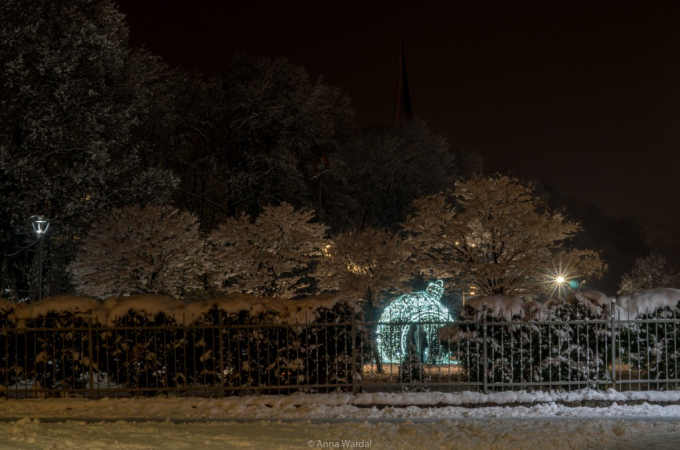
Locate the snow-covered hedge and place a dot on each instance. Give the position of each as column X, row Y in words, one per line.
column 652, row 341
column 152, row 342
column 566, row 340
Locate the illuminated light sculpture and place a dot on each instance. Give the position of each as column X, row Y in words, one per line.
column 413, row 319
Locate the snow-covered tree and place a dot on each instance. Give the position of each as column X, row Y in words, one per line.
column 153, row 249
column 363, row 265
column 650, row 272
column 497, row 236
column 270, row 256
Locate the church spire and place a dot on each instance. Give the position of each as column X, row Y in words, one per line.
column 402, row 98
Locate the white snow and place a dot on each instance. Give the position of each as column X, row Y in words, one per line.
column 626, row 307
column 149, row 304
column 8, row 306
column 596, row 301
column 372, row 420
column 290, row 311
column 498, row 305
column 645, row 302
column 349, row 406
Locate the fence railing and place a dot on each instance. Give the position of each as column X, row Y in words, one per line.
column 84, row 356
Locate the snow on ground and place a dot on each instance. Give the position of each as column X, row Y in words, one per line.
column 445, row 433
column 339, row 406
column 292, row 311
column 335, row 420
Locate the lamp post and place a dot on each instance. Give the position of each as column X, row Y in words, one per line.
column 470, row 294
column 40, row 226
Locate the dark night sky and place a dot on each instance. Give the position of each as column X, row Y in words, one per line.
column 583, row 95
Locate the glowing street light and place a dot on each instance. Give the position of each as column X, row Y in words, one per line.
column 40, row 226
column 560, row 282
column 471, row 294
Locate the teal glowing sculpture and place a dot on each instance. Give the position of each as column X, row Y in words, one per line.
column 413, row 319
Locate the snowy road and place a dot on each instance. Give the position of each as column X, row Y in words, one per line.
column 342, row 421
column 505, row 433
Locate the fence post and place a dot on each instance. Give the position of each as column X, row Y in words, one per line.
column 220, row 339
column 613, row 330
column 354, row 351
column 485, row 356
column 90, row 356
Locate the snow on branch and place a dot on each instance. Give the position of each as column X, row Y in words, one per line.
column 141, row 250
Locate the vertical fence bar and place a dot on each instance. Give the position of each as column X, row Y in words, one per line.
column 221, row 347
column 656, row 346
column 665, row 346
column 675, row 346
column 613, row 349
column 90, row 357
column 355, row 386
column 485, row 358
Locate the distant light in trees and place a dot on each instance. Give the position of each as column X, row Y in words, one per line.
column 561, row 280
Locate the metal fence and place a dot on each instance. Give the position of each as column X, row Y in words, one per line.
column 85, row 356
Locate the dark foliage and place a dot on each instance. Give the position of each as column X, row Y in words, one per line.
column 556, row 349
column 654, row 346
column 148, row 354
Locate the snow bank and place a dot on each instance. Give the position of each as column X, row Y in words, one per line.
column 192, row 423
column 7, row 306
column 294, row 311
column 543, row 310
column 629, row 307
column 498, row 305
column 291, row 311
column 598, row 304
column 58, row 305
column 318, row 406
column 144, row 304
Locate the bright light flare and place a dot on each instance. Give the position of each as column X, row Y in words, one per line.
column 559, row 281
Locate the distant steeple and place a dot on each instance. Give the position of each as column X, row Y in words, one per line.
column 402, row 98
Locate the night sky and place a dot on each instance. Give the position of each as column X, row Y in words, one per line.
column 582, row 95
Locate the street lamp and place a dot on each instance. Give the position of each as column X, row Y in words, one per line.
column 471, row 294
column 40, row 226
column 561, row 284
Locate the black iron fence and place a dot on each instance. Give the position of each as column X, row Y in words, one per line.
column 94, row 357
